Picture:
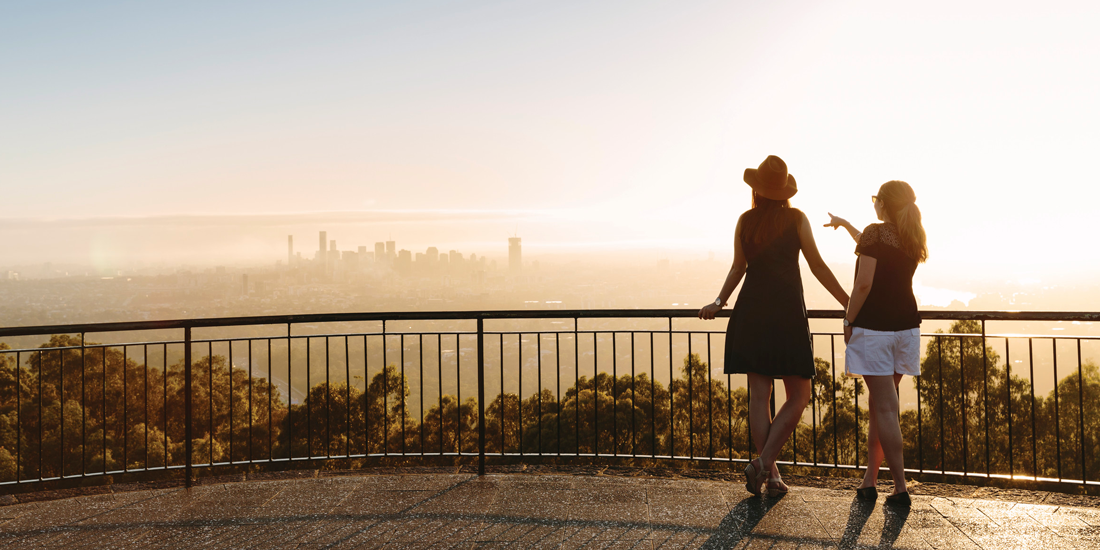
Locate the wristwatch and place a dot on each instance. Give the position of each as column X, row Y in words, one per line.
column 847, row 323
column 718, row 302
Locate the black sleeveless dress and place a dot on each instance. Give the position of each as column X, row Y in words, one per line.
column 768, row 333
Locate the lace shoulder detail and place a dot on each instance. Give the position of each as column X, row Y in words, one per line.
column 880, row 233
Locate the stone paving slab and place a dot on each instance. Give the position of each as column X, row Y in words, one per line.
column 447, row 510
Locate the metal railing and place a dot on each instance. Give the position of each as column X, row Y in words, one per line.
column 639, row 384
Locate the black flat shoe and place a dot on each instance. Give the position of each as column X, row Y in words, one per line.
column 900, row 499
column 867, row 493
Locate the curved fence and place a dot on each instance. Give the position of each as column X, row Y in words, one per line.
column 115, row 398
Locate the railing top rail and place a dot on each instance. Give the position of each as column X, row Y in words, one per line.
column 503, row 314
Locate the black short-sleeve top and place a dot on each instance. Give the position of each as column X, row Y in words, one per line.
column 890, row 306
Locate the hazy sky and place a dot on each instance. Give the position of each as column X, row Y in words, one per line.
column 613, row 124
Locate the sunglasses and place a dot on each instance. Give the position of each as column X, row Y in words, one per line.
column 874, row 198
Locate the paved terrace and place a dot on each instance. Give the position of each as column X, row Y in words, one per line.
column 458, row 510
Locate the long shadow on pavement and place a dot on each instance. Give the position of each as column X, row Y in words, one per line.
column 740, row 522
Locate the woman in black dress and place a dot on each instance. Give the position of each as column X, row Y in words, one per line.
column 768, row 335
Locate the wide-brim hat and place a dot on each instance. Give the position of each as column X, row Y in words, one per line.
column 771, row 180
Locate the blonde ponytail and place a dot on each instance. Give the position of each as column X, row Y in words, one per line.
column 900, row 203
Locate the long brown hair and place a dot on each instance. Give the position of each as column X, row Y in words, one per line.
column 900, row 202
column 767, row 222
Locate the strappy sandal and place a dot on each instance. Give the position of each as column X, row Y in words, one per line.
column 777, row 488
column 753, row 477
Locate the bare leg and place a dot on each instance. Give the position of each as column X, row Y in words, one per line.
column 874, row 447
column 760, row 415
column 883, row 390
column 786, row 420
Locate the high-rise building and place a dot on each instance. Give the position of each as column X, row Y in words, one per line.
column 432, row 255
column 379, row 252
column 403, row 261
column 515, row 254
column 290, row 250
column 391, row 249
column 323, row 246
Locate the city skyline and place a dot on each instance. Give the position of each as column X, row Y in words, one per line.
column 469, row 119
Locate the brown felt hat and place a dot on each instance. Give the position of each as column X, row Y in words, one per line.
column 771, row 180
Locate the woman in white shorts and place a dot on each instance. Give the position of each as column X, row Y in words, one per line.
column 882, row 325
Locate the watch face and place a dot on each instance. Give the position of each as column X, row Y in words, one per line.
column 718, row 302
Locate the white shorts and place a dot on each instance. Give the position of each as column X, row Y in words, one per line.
column 883, row 353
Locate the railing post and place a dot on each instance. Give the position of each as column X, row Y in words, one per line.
column 480, row 396
column 187, row 401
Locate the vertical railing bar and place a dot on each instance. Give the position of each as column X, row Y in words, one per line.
column 614, row 394
column 270, row 421
column 854, row 398
column 145, row 403
column 386, row 392
column 439, row 378
column 187, row 416
column 538, row 368
column 420, row 382
column 596, row 393
column 985, row 397
column 210, row 398
column 404, row 404
column 61, row 434
column 920, row 427
column 250, row 456
column 633, row 400
column 557, row 377
column 1008, row 401
column 1057, row 412
column 943, row 434
column 503, row 397
column 965, row 418
column 1034, row 433
column 480, row 397
column 103, row 410
column 836, row 438
column 710, row 403
column 83, row 406
column 458, row 377
column 576, row 384
column 125, row 412
column 691, row 403
column 671, row 398
column 290, row 395
column 813, row 411
column 652, row 399
column 519, row 391
column 328, row 398
column 309, row 399
column 232, row 427
column 164, row 407
column 41, row 417
column 729, row 412
column 366, row 396
column 19, row 416
column 1081, row 409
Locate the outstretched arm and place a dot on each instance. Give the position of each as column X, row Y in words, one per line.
column 817, row 265
column 737, row 271
column 837, row 221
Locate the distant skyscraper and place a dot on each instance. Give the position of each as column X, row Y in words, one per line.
column 323, row 246
column 289, row 250
column 379, row 251
column 391, row 249
column 432, row 255
column 515, row 254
